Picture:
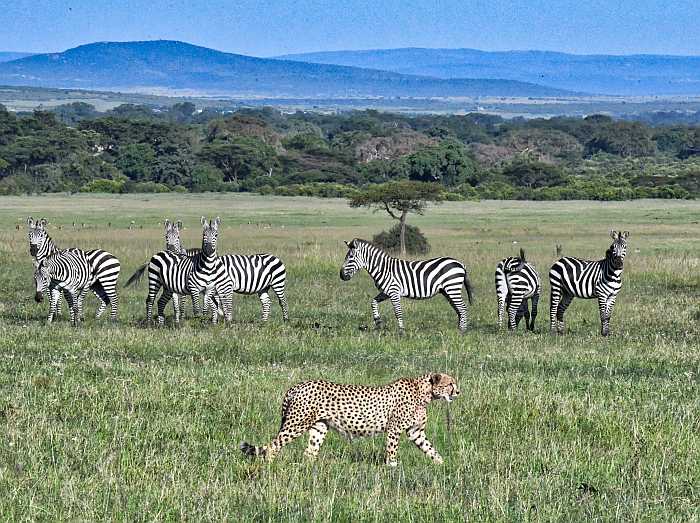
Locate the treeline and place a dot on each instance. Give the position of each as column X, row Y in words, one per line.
column 140, row 149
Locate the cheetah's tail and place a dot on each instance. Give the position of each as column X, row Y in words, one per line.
column 251, row 450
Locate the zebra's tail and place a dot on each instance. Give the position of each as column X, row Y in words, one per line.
column 470, row 289
column 136, row 277
column 522, row 255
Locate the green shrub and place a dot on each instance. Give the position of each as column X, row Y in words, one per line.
column 416, row 242
column 103, row 185
column 146, row 187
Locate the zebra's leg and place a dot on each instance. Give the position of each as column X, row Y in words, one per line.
column 194, row 294
column 153, row 289
column 563, row 305
column 535, row 300
column 177, row 307
column 54, row 299
column 375, row 308
column 605, row 306
column 317, row 433
column 265, row 301
column 396, row 302
column 514, row 304
column 162, row 303
column 501, row 300
column 281, row 292
column 73, row 307
column 523, row 312
column 554, row 299
column 454, row 297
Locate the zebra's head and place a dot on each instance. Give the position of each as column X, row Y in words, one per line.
column 37, row 235
column 354, row 259
column 210, row 233
column 172, row 236
column 617, row 251
column 42, row 278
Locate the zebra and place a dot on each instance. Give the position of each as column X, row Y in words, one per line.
column 209, row 274
column 66, row 272
column 571, row 278
column 257, row 274
column 169, row 269
column 396, row 278
column 516, row 282
column 105, row 267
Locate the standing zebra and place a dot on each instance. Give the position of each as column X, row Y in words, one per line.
column 395, row 278
column 516, row 282
column 66, row 272
column 169, row 269
column 209, row 274
column 105, row 267
column 571, row 278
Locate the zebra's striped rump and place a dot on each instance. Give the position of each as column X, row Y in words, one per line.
column 516, row 282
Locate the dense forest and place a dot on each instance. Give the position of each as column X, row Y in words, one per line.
column 135, row 148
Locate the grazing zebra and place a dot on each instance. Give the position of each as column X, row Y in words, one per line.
column 169, row 269
column 516, row 282
column 571, row 278
column 397, row 278
column 209, row 274
column 105, row 267
column 66, row 272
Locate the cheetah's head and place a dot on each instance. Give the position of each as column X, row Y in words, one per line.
column 443, row 386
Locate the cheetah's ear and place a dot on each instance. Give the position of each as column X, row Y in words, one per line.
column 435, row 378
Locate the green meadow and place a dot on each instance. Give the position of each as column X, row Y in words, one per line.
column 129, row 423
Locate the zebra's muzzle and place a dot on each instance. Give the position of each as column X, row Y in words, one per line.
column 33, row 250
column 208, row 250
column 343, row 275
column 617, row 262
column 39, row 297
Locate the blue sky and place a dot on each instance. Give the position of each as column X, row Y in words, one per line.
column 266, row 28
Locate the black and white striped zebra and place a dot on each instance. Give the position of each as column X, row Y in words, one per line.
column 209, row 275
column 396, row 279
column 63, row 272
column 517, row 281
column 105, row 267
column 170, row 270
column 257, row 274
column 571, row 278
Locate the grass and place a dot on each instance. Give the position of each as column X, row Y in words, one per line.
column 127, row 423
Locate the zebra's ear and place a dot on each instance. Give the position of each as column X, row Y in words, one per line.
column 203, row 221
column 42, row 223
column 178, row 225
column 217, row 222
column 346, row 243
column 613, row 235
column 30, row 222
column 625, row 235
column 168, row 225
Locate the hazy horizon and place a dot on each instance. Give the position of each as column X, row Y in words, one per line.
column 649, row 27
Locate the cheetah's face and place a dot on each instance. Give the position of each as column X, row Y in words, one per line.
column 443, row 387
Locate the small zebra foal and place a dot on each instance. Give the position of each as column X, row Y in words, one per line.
column 418, row 280
column 517, row 281
column 571, row 278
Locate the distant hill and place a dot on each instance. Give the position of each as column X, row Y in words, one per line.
column 172, row 65
column 606, row 74
column 6, row 56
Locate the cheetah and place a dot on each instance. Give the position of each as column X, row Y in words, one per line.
column 353, row 411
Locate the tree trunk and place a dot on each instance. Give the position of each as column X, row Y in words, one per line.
column 402, row 222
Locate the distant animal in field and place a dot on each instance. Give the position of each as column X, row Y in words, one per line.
column 396, row 279
column 517, row 281
column 571, row 278
column 353, row 410
column 104, row 266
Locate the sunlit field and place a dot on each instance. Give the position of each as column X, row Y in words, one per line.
column 127, row 422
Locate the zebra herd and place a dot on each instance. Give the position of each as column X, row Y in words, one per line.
column 203, row 272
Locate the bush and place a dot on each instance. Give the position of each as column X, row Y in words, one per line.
column 416, row 242
column 147, row 187
column 102, row 185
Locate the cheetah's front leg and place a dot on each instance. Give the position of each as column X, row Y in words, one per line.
column 393, row 434
column 417, row 436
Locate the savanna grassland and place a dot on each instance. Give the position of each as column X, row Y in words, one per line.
column 125, row 422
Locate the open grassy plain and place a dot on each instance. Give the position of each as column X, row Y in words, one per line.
column 129, row 423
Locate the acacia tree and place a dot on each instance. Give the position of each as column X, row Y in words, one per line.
column 398, row 199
